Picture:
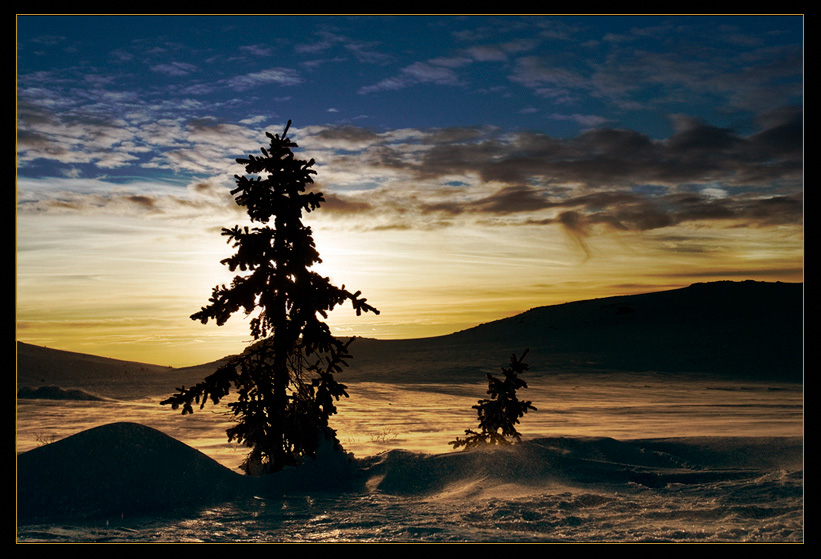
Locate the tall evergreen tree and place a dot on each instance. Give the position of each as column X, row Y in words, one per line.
column 499, row 414
column 284, row 381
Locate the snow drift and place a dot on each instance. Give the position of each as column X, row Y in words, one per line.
column 121, row 468
column 126, row 469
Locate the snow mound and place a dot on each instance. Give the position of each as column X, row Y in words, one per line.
column 123, row 469
column 116, row 469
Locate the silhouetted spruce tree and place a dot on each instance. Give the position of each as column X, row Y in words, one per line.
column 284, row 380
column 499, row 414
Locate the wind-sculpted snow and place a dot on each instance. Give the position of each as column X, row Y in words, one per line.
column 126, row 470
column 605, row 462
column 55, row 393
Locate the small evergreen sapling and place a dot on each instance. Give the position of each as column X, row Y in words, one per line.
column 499, row 414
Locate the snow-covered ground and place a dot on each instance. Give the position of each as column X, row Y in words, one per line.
column 607, row 457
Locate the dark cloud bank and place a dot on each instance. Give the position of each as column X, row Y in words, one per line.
column 616, row 178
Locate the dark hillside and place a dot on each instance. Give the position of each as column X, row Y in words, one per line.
column 749, row 329
column 40, row 367
column 732, row 329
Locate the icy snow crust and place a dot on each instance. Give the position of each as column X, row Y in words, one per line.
column 546, row 489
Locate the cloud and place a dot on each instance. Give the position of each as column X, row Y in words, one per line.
column 696, row 152
column 199, row 200
column 55, row 131
column 684, row 66
column 438, row 72
column 538, row 72
column 337, row 204
column 257, row 50
column 278, row 76
column 585, row 120
column 365, row 52
column 574, row 224
column 511, row 199
column 174, row 68
column 604, row 178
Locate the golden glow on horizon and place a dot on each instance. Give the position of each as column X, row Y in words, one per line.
column 456, row 192
column 129, row 296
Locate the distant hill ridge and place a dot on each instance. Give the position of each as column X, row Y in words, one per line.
column 749, row 328
column 715, row 306
column 744, row 327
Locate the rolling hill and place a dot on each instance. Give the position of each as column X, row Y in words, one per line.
column 737, row 329
column 740, row 329
column 39, row 367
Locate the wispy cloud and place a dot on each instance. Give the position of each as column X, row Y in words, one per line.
column 175, row 68
column 439, row 72
column 616, row 178
column 278, row 76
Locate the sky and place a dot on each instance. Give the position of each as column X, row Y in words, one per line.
column 474, row 167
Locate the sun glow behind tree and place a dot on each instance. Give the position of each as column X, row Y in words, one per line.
column 284, row 381
column 470, row 173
